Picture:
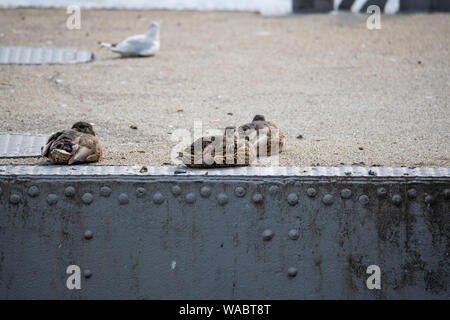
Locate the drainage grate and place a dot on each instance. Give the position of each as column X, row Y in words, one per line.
column 21, row 145
column 29, row 55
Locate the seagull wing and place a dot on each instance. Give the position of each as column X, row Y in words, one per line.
column 132, row 45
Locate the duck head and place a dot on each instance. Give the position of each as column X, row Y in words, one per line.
column 84, row 127
column 259, row 117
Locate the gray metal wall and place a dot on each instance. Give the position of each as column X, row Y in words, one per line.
column 261, row 233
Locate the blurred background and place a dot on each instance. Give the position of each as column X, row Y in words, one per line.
column 263, row 6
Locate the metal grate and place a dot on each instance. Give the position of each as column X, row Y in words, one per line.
column 29, row 55
column 21, row 145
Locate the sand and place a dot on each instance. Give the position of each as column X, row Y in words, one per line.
column 356, row 96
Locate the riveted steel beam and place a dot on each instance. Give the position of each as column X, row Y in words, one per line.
column 250, row 233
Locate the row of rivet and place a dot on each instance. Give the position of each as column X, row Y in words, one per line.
column 88, row 235
column 328, row 199
column 222, row 198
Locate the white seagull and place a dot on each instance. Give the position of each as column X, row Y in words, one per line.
column 141, row 45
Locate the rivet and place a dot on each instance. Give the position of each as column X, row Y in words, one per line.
column 346, row 193
column 327, row 199
column 257, row 198
column 222, row 198
column 292, row 199
column 446, row 193
column 33, row 191
column 267, row 235
column 105, row 191
column 69, row 191
column 240, row 192
column 273, row 190
column 52, row 199
column 140, row 192
column 381, row 192
column 87, row 273
column 293, row 234
column 311, row 192
column 87, row 198
column 15, row 198
column 176, row 190
column 429, row 199
column 397, row 199
column 292, row 272
column 123, row 198
column 363, row 199
column 190, row 197
column 88, row 234
column 412, row 193
column 158, row 198
column 205, row 191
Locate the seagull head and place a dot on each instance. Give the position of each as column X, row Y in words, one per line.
column 153, row 31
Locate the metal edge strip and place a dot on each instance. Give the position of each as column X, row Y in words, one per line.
column 136, row 171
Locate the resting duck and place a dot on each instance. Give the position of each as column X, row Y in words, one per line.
column 76, row 145
column 262, row 133
column 219, row 151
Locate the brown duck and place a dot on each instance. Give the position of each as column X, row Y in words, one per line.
column 219, row 151
column 76, row 145
column 265, row 136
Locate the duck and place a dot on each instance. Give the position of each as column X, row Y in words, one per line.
column 263, row 135
column 76, row 145
column 219, row 151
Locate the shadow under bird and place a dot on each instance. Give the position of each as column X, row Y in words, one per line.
column 76, row 145
column 141, row 45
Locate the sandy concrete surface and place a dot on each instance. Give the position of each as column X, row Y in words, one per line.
column 356, row 96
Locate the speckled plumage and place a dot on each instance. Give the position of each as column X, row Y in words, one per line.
column 219, row 151
column 263, row 134
column 76, row 145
